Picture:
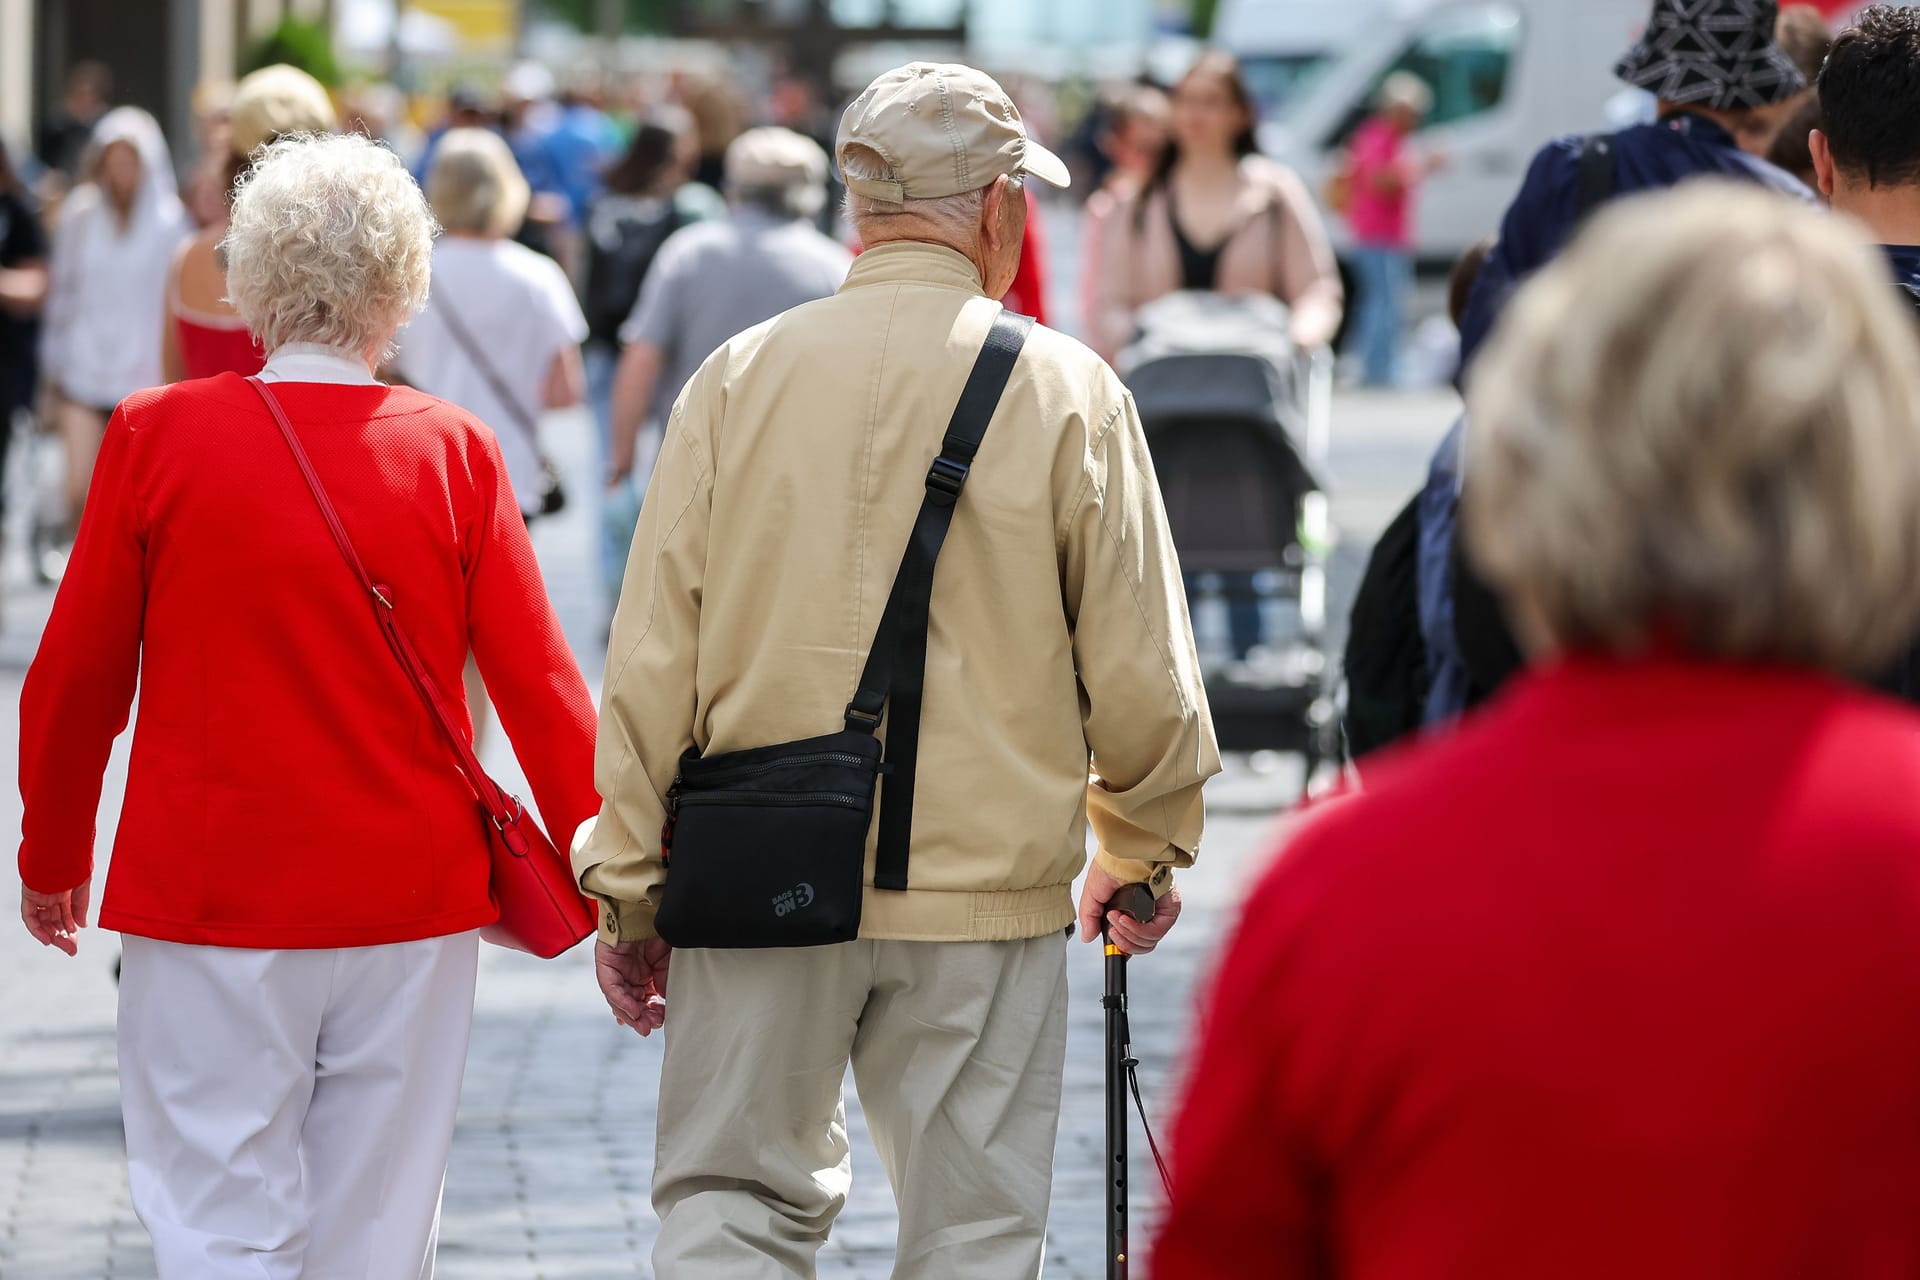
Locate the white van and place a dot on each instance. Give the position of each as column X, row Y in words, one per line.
column 1282, row 44
column 1507, row 76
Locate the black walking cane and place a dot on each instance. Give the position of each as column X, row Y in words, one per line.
column 1137, row 901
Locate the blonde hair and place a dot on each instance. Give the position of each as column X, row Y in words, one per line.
column 1702, row 426
column 475, row 185
column 330, row 242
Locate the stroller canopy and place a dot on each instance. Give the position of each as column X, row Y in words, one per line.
column 1216, row 357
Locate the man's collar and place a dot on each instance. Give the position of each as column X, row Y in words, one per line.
column 1698, row 125
column 914, row 262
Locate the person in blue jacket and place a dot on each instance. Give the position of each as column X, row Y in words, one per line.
column 1722, row 83
column 1720, row 79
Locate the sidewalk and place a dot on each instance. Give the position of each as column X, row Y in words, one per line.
column 554, row 1148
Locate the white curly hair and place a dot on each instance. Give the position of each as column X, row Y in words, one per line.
column 330, row 242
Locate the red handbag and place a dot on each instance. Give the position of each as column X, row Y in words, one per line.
column 541, row 908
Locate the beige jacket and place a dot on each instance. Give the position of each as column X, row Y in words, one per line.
column 1279, row 246
column 793, row 467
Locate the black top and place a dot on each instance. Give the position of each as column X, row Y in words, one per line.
column 1199, row 268
column 22, row 240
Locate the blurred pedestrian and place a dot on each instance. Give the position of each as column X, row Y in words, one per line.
column 1866, row 159
column 65, row 132
column 583, row 143
column 300, row 871
column 202, row 334
column 112, row 247
column 204, row 192
column 501, row 331
column 23, row 292
column 1215, row 215
column 1803, row 32
column 1619, row 978
column 719, row 117
column 1131, row 141
column 1865, row 155
column 709, row 283
column 793, row 467
column 1715, row 67
column 1383, row 176
column 648, row 197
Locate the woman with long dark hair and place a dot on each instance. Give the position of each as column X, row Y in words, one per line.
column 1216, row 216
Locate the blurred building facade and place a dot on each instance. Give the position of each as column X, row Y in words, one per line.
column 158, row 51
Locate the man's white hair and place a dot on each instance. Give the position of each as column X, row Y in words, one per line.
column 953, row 220
column 330, row 242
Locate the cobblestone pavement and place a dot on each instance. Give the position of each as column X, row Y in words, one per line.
column 552, row 1157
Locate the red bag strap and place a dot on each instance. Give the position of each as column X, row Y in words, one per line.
column 504, row 811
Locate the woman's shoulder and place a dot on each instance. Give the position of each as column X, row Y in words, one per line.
column 1268, row 175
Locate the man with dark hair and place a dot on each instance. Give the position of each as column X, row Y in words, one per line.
column 1866, row 153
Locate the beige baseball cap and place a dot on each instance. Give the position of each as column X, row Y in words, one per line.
column 774, row 157
column 942, row 129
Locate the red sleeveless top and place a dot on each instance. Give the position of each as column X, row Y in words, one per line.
column 211, row 345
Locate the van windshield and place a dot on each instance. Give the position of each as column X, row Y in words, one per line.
column 1276, row 79
column 1464, row 53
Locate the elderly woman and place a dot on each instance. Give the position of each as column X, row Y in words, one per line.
column 1621, row 978
column 501, row 334
column 300, row 869
column 202, row 334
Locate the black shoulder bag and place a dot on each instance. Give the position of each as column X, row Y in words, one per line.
column 767, row 847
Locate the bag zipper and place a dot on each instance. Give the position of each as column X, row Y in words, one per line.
column 823, row 757
column 771, row 798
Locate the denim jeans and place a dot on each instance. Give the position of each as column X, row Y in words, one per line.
column 602, row 362
column 1385, row 278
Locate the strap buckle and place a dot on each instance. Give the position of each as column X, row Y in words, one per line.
column 947, row 476
column 868, row 720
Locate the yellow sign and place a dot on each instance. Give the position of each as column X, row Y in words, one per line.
column 483, row 25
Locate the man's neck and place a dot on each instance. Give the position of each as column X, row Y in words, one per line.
column 1891, row 213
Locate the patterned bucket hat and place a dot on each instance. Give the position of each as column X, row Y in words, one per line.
column 1718, row 54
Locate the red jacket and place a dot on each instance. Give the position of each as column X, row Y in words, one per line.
column 287, row 788
column 1623, row 980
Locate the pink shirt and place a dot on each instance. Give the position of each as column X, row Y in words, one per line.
column 1381, row 218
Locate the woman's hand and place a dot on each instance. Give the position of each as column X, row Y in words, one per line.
column 633, row 978
column 56, row 919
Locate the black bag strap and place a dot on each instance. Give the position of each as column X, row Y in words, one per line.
column 897, row 664
column 463, row 338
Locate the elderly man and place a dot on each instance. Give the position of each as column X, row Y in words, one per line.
column 713, row 280
column 794, row 465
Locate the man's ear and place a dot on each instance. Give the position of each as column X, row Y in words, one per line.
column 993, row 216
column 1823, row 174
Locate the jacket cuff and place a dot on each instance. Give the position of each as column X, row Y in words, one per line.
column 623, row 921
column 1157, row 876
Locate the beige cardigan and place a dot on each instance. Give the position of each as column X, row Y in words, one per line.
column 1279, row 246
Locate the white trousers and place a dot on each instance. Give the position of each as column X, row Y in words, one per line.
column 289, row 1113
column 957, row 1050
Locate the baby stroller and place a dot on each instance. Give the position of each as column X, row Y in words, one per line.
column 1237, row 419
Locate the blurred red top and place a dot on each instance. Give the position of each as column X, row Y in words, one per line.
column 1621, row 980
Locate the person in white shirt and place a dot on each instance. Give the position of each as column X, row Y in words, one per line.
column 107, row 285
column 501, row 333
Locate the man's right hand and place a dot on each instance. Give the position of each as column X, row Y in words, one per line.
column 1130, row 935
column 633, row 978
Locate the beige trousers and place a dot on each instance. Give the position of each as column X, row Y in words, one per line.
column 957, row 1051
